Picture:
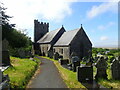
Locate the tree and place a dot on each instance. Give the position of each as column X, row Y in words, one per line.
column 16, row 38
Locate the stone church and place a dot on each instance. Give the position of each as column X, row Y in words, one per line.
column 61, row 41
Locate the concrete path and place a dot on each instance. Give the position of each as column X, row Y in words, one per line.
column 48, row 76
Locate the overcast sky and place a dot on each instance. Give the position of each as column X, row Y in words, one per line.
column 99, row 19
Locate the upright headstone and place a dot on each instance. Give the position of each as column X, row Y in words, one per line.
column 101, row 66
column 5, row 53
column 75, row 62
column 50, row 54
column 115, row 68
column 85, row 74
column 56, row 56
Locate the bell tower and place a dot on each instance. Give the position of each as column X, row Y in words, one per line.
column 40, row 29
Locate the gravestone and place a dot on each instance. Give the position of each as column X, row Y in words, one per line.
column 75, row 62
column 74, row 59
column 5, row 53
column 85, row 73
column 50, row 54
column 56, row 56
column 101, row 68
column 63, row 61
column 74, row 65
column 115, row 69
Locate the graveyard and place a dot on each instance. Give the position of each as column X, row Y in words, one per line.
column 20, row 71
column 34, row 56
column 108, row 81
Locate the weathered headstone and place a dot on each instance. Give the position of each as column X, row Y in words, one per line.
column 85, row 74
column 5, row 53
column 50, row 54
column 63, row 61
column 74, row 65
column 56, row 56
column 75, row 62
column 115, row 68
column 74, row 59
column 101, row 68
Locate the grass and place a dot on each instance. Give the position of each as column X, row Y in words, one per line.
column 68, row 76
column 110, row 83
column 21, row 71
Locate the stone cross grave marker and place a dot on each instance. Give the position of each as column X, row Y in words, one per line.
column 115, row 68
column 101, row 68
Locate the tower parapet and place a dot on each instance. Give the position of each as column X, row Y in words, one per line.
column 40, row 29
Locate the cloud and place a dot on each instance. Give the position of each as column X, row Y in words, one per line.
column 25, row 11
column 103, row 38
column 102, row 8
column 105, row 27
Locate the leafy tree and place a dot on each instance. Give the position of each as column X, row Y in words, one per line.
column 16, row 38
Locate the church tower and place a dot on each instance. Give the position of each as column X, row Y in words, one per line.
column 40, row 29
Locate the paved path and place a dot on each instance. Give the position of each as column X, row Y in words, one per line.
column 49, row 77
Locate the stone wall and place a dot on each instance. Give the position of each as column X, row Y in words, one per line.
column 45, row 48
column 63, row 51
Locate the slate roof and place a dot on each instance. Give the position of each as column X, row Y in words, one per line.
column 48, row 37
column 66, row 38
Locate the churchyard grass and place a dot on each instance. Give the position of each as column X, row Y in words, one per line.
column 68, row 76
column 21, row 71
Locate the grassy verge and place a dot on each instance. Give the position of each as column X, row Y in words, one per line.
column 68, row 76
column 21, row 71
